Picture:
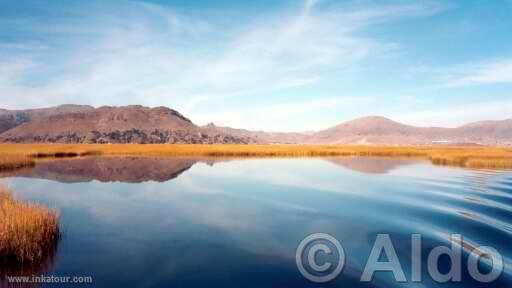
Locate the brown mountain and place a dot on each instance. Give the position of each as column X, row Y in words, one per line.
column 129, row 124
column 138, row 124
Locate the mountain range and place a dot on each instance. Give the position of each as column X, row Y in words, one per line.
column 139, row 124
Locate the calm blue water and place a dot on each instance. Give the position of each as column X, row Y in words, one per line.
column 180, row 222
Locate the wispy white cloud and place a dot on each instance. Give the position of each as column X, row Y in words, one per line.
column 160, row 57
column 492, row 72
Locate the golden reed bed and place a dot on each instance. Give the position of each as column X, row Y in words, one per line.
column 28, row 231
column 474, row 157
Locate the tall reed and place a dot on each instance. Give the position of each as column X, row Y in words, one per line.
column 28, row 231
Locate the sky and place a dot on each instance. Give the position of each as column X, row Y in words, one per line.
column 284, row 65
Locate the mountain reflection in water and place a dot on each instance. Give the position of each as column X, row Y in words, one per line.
column 162, row 169
column 110, row 169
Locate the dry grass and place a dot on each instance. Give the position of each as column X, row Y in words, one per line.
column 28, row 232
column 46, row 150
column 15, row 156
column 491, row 163
column 474, row 157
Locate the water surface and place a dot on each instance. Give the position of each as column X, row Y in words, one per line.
column 186, row 222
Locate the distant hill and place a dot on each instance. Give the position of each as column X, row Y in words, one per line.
column 138, row 124
column 380, row 130
column 487, row 132
column 372, row 129
column 260, row 136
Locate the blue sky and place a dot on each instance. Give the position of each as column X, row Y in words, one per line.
column 269, row 65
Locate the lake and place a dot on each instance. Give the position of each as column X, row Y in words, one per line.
column 189, row 222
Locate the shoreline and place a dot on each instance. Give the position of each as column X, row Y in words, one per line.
column 470, row 157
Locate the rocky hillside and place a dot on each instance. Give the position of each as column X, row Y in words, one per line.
column 129, row 124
